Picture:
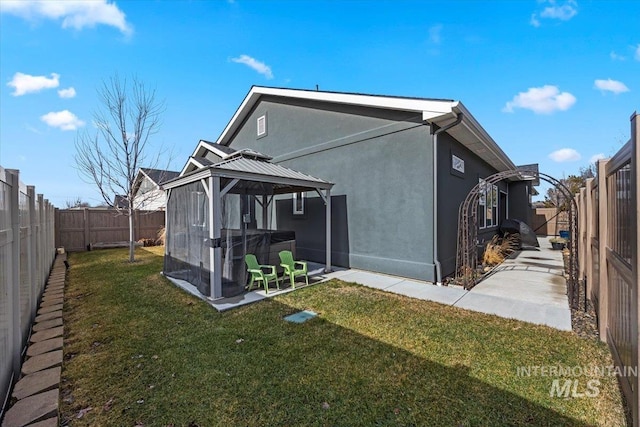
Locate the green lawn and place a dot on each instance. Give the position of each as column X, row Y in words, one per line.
column 138, row 350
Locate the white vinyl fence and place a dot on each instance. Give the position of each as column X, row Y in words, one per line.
column 27, row 252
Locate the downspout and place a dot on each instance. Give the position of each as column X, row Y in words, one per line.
column 435, row 134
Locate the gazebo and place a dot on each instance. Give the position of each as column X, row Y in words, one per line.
column 224, row 210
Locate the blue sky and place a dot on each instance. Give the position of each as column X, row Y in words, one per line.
column 553, row 82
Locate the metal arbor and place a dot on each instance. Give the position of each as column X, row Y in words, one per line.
column 467, row 254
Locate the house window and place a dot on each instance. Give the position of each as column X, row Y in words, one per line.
column 487, row 204
column 298, row 203
column 261, row 126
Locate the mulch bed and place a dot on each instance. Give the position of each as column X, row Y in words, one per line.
column 585, row 322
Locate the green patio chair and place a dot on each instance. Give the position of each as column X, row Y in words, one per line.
column 258, row 274
column 293, row 268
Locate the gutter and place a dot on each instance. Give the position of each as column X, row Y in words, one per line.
column 435, row 134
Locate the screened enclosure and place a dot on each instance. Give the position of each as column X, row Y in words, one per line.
column 225, row 210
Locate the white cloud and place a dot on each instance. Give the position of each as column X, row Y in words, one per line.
column 611, row 86
column 553, row 9
column 25, row 83
column 76, row 14
column 565, row 155
column 597, row 157
column 565, row 12
column 33, row 129
column 614, row 56
column 435, row 34
column 637, row 54
column 64, row 120
column 253, row 63
column 541, row 100
column 534, row 20
column 67, row 93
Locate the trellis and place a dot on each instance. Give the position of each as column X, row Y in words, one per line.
column 467, row 254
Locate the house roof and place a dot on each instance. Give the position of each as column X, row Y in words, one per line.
column 120, row 202
column 158, row 176
column 440, row 112
column 534, row 169
column 255, row 167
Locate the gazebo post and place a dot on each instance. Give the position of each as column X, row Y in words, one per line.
column 215, row 233
column 265, row 224
column 327, row 203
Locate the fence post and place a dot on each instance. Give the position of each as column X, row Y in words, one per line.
column 136, row 236
column 57, row 222
column 603, row 223
column 588, row 217
column 14, row 274
column 51, row 243
column 579, row 199
column 635, row 261
column 85, row 221
column 41, row 249
column 31, row 256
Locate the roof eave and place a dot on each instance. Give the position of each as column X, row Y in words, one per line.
column 496, row 157
column 435, row 107
column 212, row 170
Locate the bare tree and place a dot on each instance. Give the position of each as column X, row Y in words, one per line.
column 128, row 116
column 76, row 203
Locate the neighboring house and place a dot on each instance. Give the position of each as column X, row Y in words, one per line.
column 148, row 192
column 120, row 202
column 401, row 168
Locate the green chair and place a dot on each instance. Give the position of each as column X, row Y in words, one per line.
column 293, row 268
column 257, row 273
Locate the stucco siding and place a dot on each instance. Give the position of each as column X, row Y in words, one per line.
column 453, row 188
column 380, row 163
column 519, row 203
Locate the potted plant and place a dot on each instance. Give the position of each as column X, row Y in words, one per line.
column 557, row 243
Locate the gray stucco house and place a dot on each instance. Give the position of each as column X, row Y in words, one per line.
column 400, row 167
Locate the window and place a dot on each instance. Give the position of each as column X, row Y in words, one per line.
column 487, row 204
column 261, row 126
column 298, row 203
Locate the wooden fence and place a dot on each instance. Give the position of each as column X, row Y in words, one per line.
column 79, row 229
column 549, row 222
column 608, row 252
column 27, row 253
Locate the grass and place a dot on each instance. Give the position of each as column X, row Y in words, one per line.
column 139, row 351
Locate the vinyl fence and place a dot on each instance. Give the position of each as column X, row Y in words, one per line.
column 78, row 229
column 27, row 252
column 608, row 252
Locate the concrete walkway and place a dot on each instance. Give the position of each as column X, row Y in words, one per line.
column 529, row 286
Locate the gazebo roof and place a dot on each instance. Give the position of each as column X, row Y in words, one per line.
column 251, row 166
